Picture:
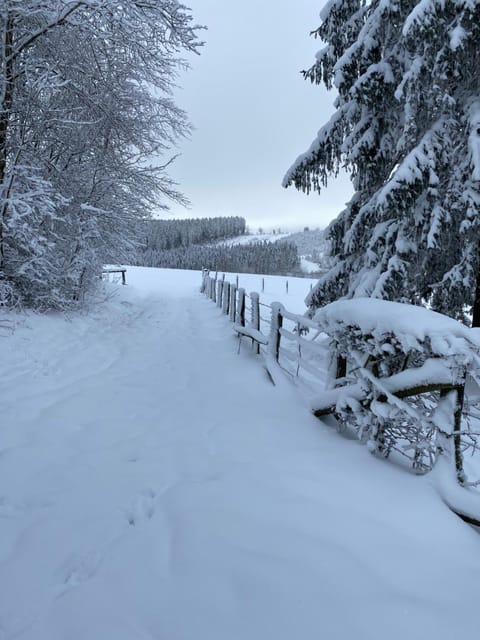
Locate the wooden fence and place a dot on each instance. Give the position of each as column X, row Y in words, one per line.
column 121, row 270
column 411, row 410
column 271, row 329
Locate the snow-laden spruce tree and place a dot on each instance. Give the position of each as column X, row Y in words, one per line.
column 86, row 111
column 407, row 127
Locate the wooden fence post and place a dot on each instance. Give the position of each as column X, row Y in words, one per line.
column 208, row 286
column 286, row 286
column 204, row 280
column 241, row 307
column 214, row 290
column 275, row 330
column 255, row 298
column 233, row 300
column 457, row 438
column 226, row 297
column 219, row 293
column 458, row 395
column 341, row 371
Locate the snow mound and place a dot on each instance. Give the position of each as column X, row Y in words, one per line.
column 411, row 325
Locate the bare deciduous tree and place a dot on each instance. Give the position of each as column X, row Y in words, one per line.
column 86, row 117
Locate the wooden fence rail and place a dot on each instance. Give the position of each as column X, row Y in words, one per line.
column 121, row 270
column 369, row 390
column 253, row 319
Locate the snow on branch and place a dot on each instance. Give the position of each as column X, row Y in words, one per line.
column 474, row 139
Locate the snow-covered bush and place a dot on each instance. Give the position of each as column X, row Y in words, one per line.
column 392, row 364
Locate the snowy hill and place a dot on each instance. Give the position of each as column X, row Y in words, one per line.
column 311, row 246
column 309, row 241
column 154, row 484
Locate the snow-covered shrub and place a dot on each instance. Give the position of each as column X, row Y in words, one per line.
column 396, row 362
column 8, row 295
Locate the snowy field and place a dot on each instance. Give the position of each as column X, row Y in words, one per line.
column 289, row 290
column 155, row 485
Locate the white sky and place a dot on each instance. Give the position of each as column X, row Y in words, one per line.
column 253, row 114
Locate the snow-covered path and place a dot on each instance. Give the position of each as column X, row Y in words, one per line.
column 155, row 485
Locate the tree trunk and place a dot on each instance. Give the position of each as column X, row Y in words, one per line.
column 476, row 300
column 5, row 111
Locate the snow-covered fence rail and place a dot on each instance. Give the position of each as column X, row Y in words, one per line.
column 391, row 373
column 253, row 319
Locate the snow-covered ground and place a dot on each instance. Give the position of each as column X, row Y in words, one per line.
column 154, row 484
column 290, row 290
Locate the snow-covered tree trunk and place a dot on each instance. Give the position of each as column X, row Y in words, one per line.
column 476, row 298
column 6, row 95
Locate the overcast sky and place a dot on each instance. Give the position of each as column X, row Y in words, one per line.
column 253, row 114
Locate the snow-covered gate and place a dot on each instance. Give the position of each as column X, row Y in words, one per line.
column 403, row 379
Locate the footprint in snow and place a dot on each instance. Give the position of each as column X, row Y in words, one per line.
column 76, row 569
column 79, row 569
column 142, row 508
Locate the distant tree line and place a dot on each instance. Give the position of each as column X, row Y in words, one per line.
column 259, row 257
column 170, row 234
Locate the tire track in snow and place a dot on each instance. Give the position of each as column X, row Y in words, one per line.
column 128, row 372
